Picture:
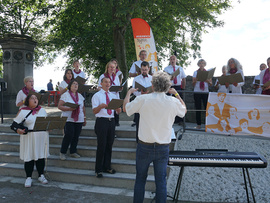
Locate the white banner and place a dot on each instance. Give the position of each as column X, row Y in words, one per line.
column 238, row 114
column 144, row 40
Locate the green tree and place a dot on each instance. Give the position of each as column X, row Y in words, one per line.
column 27, row 18
column 96, row 31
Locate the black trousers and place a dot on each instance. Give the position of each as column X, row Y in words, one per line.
column 72, row 132
column 29, row 167
column 199, row 99
column 105, row 131
column 137, row 121
column 116, row 117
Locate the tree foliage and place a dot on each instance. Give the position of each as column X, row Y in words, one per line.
column 27, row 18
column 97, row 30
column 92, row 30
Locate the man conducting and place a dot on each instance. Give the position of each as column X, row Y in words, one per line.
column 157, row 112
column 104, row 127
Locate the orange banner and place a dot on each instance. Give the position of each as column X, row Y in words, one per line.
column 144, row 40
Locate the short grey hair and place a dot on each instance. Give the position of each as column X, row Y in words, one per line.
column 161, row 82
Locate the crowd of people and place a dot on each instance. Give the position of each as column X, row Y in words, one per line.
column 164, row 103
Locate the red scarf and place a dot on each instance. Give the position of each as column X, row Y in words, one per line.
column 76, row 112
column 266, row 76
column 202, row 86
column 34, row 110
column 77, row 72
column 233, row 71
column 67, row 81
column 111, row 79
column 26, row 91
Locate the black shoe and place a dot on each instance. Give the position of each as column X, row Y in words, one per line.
column 133, row 124
column 117, row 124
column 111, row 171
column 99, row 175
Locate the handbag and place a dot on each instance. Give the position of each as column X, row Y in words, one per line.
column 15, row 126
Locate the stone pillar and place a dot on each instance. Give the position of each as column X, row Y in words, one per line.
column 18, row 56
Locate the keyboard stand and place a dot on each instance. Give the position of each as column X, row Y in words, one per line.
column 245, row 173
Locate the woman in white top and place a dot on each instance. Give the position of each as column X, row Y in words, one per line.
column 110, row 72
column 22, row 94
column 75, row 119
column 234, row 67
column 118, row 72
column 200, row 86
column 77, row 71
column 34, row 146
column 68, row 76
column 222, row 88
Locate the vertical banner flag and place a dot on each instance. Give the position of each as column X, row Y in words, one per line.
column 238, row 114
column 144, row 40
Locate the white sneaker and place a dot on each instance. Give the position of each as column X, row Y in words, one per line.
column 28, row 182
column 75, row 155
column 62, row 156
column 42, row 179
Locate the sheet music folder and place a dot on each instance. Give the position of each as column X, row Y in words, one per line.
column 115, row 104
column 142, row 88
column 205, row 75
column 175, row 73
column 71, row 105
column 49, row 123
column 237, row 77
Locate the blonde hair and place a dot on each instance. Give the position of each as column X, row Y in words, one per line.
column 27, row 78
column 107, row 66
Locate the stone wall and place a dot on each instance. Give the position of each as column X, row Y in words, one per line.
column 189, row 100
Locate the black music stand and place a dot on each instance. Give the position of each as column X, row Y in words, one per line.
column 49, row 123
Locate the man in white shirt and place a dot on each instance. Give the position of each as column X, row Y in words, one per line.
column 132, row 71
column 157, row 112
column 77, row 71
column 143, row 79
column 178, row 82
column 104, row 127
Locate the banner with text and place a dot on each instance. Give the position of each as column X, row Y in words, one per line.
column 238, row 114
column 144, row 40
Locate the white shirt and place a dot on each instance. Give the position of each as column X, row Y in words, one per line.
column 157, row 113
column 81, row 74
column 31, row 119
column 169, row 69
column 146, row 82
column 67, row 98
column 197, row 85
column 221, row 88
column 20, row 97
column 133, row 68
column 63, row 84
column 100, row 98
column 238, row 88
column 138, row 63
column 116, row 83
column 258, row 90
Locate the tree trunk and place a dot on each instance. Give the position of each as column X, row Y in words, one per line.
column 120, row 53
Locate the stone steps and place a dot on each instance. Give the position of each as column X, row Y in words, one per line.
column 80, row 176
column 78, row 171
